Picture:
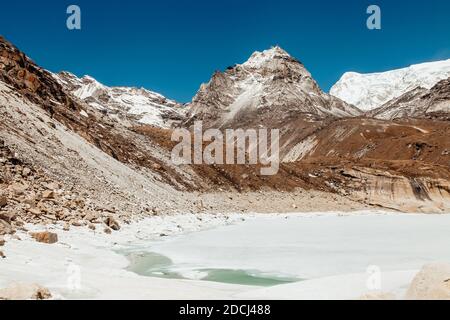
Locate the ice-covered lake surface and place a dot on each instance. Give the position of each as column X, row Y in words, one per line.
column 277, row 249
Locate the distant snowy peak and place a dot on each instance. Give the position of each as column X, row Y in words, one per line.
column 123, row 103
column 370, row 91
column 270, row 85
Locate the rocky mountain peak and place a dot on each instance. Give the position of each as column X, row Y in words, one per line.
column 277, row 64
column 261, row 59
column 269, row 85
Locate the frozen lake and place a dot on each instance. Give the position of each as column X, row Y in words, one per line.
column 271, row 250
column 264, row 257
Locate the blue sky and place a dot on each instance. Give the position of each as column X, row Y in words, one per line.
column 172, row 46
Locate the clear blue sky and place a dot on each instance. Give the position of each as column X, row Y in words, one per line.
column 172, row 46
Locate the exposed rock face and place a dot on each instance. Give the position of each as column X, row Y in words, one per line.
column 371, row 91
column 98, row 163
column 384, row 189
column 431, row 283
column 36, row 84
column 112, row 138
column 45, row 237
column 402, row 165
column 418, row 103
column 269, row 89
column 25, row 292
column 126, row 105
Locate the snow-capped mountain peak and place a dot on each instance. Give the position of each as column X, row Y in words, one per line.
column 259, row 59
column 370, row 91
column 123, row 103
column 269, row 85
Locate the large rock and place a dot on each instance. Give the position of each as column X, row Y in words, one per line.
column 25, row 292
column 48, row 194
column 3, row 201
column 35, row 211
column 113, row 224
column 5, row 227
column 7, row 216
column 18, row 188
column 91, row 216
column 45, row 237
column 378, row 296
column 26, row 172
column 52, row 186
column 431, row 283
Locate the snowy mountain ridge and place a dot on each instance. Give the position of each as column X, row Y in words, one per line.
column 370, row 91
column 144, row 106
column 418, row 103
column 270, row 85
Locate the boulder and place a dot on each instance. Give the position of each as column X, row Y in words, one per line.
column 2, row 255
column 2, row 242
column 26, row 172
column 113, row 224
column 31, row 201
column 431, row 283
column 52, row 186
column 5, row 228
column 157, row 166
column 91, row 216
column 77, row 223
column 35, row 211
column 378, row 296
column 45, row 237
column 25, row 292
column 7, row 216
column 3, row 201
column 18, row 188
column 48, row 194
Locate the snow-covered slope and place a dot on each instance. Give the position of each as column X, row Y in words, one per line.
column 418, row 103
column 370, row 91
column 271, row 84
column 141, row 105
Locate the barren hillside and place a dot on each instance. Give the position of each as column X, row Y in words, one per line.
column 63, row 158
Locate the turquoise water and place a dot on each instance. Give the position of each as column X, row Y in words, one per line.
column 155, row 265
column 245, row 277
